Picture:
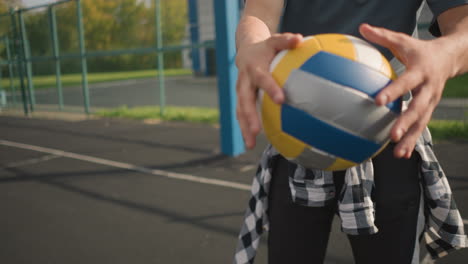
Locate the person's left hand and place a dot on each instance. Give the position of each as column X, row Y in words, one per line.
column 427, row 70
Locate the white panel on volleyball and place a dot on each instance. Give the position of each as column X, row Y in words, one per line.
column 315, row 158
column 368, row 55
column 345, row 108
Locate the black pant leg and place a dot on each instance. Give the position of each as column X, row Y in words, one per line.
column 397, row 196
column 298, row 234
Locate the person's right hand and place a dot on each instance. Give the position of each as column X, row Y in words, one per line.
column 253, row 62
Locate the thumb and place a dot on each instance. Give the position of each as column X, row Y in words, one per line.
column 284, row 41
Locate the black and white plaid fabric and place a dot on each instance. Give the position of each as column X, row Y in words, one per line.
column 444, row 230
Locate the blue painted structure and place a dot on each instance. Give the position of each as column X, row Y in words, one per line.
column 226, row 18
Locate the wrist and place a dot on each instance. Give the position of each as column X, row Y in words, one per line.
column 450, row 55
column 454, row 47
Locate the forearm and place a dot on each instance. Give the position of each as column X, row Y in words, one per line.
column 454, row 27
column 251, row 30
column 259, row 21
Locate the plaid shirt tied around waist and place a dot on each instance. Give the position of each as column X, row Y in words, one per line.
column 444, row 229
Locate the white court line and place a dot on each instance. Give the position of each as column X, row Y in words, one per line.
column 29, row 161
column 127, row 166
column 122, row 165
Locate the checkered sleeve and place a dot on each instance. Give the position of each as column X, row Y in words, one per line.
column 356, row 208
column 444, row 229
column 255, row 220
column 310, row 187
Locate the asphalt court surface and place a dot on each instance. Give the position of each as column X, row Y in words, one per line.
column 77, row 199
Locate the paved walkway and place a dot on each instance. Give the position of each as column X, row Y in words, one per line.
column 180, row 91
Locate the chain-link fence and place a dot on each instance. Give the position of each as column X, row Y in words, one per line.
column 81, row 55
column 84, row 54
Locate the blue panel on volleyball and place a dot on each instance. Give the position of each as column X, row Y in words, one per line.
column 349, row 73
column 325, row 137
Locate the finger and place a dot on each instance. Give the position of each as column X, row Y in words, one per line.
column 392, row 40
column 405, row 147
column 420, row 105
column 247, row 113
column 399, row 44
column 265, row 81
column 248, row 141
column 414, row 120
column 262, row 77
column 247, row 102
column 284, row 41
column 241, row 84
column 402, row 85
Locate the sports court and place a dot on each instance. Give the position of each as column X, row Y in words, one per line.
column 115, row 191
column 75, row 188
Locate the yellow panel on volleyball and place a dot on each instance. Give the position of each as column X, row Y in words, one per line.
column 341, row 164
column 387, row 69
column 294, row 59
column 287, row 145
column 337, row 44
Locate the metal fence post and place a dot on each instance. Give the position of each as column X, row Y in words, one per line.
column 194, row 35
column 3, row 97
column 160, row 53
column 10, row 70
column 27, row 59
column 19, row 61
column 56, row 51
column 1, row 72
column 84, row 66
column 226, row 18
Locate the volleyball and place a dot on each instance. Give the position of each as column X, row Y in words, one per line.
column 329, row 119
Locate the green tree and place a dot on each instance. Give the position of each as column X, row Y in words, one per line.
column 5, row 26
column 5, row 19
column 174, row 22
column 110, row 25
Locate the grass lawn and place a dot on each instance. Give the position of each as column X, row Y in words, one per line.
column 172, row 113
column 448, row 130
column 42, row 82
column 440, row 129
column 457, row 87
